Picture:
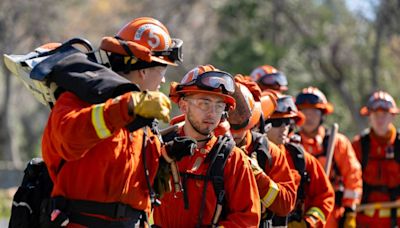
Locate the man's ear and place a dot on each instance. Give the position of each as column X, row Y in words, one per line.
column 143, row 73
column 183, row 105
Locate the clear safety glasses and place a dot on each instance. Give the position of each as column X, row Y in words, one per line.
column 207, row 105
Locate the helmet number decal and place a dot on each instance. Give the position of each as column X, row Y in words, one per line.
column 154, row 40
column 155, row 35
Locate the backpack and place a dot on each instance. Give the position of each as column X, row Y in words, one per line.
column 36, row 187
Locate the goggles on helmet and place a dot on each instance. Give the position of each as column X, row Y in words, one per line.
column 174, row 53
column 285, row 105
column 279, row 122
column 211, row 80
column 273, row 79
column 379, row 104
column 308, row 98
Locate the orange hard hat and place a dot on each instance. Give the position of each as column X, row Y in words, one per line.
column 287, row 109
column 380, row 100
column 253, row 106
column 146, row 39
column 269, row 77
column 205, row 79
column 312, row 97
column 268, row 103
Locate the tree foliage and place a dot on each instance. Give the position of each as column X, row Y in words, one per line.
column 318, row 43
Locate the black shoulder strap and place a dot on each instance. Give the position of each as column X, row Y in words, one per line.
column 261, row 147
column 365, row 146
column 217, row 157
column 324, row 144
column 397, row 147
column 296, row 152
column 216, row 169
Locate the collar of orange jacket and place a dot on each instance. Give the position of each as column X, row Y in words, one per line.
column 390, row 136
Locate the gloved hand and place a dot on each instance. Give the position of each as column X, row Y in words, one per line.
column 349, row 218
column 179, row 147
column 254, row 164
column 150, row 104
column 163, row 176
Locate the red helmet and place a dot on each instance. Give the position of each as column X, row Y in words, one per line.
column 253, row 106
column 312, row 97
column 380, row 100
column 287, row 109
column 146, row 39
column 205, row 79
column 269, row 77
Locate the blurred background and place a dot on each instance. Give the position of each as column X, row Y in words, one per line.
column 347, row 48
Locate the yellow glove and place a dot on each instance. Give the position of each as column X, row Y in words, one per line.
column 350, row 220
column 150, row 104
column 254, row 164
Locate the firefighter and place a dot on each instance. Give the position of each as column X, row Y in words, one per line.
column 315, row 195
column 97, row 165
column 219, row 188
column 378, row 150
column 345, row 173
column 269, row 78
column 275, row 181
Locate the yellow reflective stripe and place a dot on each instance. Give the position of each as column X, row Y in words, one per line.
column 316, row 212
column 269, row 198
column 382, row 213
column 369, row 212
column 98, row 122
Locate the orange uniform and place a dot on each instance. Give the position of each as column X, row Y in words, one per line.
column 277, row 185
column 345, row 174
column 104, row 162
column 381, row 171
column 319, row 195
column 241, row 194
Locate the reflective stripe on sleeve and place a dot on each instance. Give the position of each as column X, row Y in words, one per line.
column 350, row 194
column 269, row 198
column 316, row 212
column 98, row 122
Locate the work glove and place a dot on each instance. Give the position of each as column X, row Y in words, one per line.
column 254, row 164
column 179, row 147
column 349, row 218
column 150, row 104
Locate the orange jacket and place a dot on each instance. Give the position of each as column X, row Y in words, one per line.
column 346, row 162
column 379, row 170
column 103, row 159
column 242, row 201
column 319, row 195
column 277, row 185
